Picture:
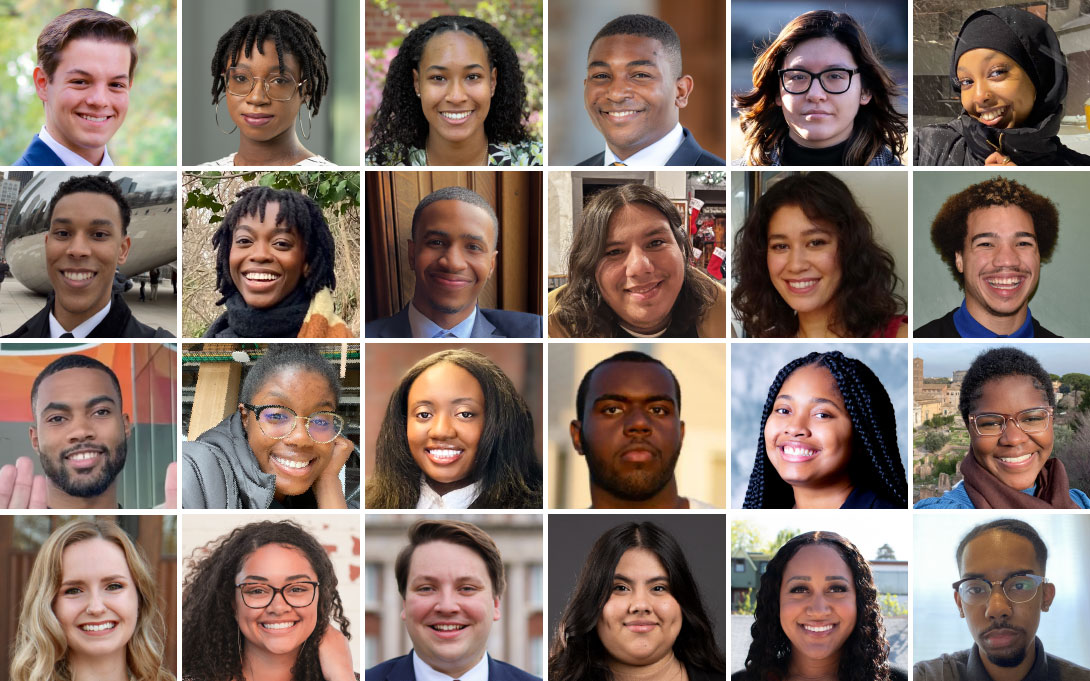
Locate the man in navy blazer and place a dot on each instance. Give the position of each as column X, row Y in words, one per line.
column 634, row 91
column 453, row 253
column 451, row 578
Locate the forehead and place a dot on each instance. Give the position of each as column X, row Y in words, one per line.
column 818, row 561
column 273, row 560
column 1004, row 220
column 640, row 562
column 444, row 379
column 619, row 50
column 982, row 56
column 818, row 54
column 87, row 206
column 263, row 56
column 443, row 558
column 813, row 381
column 998, row 552
column 291, row 382
column 633, row 380
column 792, row 220
column 70, row 385
column 458, row 218
column 631, row 220
column 90, row 54
column 1013, row 392
column 454, row 48
column 83, row 560
column 272, row 212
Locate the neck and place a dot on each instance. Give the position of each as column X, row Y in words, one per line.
column 666, row 669
column 472, row 151
column 69, row 320
column 58, row 498
column 1003, row 325
column 446, row 320
column 442, row 488
column 805, row 669
column 93, row 156
column 1018, row 673
column 282, row 150
column 817, row 324
column 827, row 496
column 261, row 665
column 667, row 497
column 646, row 330
column 443, row 668
column 111, row 667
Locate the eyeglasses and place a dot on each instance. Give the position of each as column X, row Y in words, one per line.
column 833, row 81
column 1033, row 420
column 240, row 83
column 1017, row 588
column 297, row 594
column 278, row 422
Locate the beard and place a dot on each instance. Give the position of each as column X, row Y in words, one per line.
column 1012, row 659
column 91, row 483
column 638, row 485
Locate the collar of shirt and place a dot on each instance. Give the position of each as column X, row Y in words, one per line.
column 459, row 498
column 976, row 671
column 422, row 327
column 479, row 671
column 968, row 327
column 656, row 154
column 81, row 331
column 70, row 157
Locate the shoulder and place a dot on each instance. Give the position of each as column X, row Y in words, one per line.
column 955, row 498
column 1068, row 671
column 38, row 153
column 714, row 322
column 741, row 675
column 220, row 328
column 885, row 157
column 938, row 144
column 228, row 160
column 381, row 670
column 943, row 327
column 35, row 327
column 1080, row 498
column 596, row 160
column 501, row 671
column 207, row 477
column 394, row 326
column 556, row 328
column 690, row 153
column 525, row 153
column 1041, row 332
column 514, row 324
column 947, row 667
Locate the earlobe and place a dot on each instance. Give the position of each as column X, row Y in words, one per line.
column 864, row 98
column 126, row 244
column 576, row 430
column 416, row 82
column 958, row 262
column 493, row 92
column 684, row 89
column 1047, row 598
column 496, row 610
column 41, row 81
column 34, row 438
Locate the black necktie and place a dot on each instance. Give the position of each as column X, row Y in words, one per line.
column 67, row 334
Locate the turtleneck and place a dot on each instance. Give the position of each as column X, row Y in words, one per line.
column 794, row 154
column 669, row 668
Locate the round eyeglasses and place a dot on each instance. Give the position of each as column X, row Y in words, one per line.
column 1032, row 420
column 833, row 81
column 1017, row 588
column 278, row 422
column 258, row 595
column 240, row 83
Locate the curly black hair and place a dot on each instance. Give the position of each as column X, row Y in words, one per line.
column 281, row 356
column 298, row 211
column 865, row 654
column 867, row 298
column 291, row 34
column 576, row 652
column 1000, row 363
column 951, row 224
column 876, row 459
column 399, row 122
column 210, row 633
column 93, row 184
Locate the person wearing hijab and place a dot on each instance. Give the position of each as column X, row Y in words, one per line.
column 1012, row 78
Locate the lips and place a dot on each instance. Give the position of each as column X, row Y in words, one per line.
column 802, row 286
column 83, row 456
column 644, row 291
column 1001, row 637
column 261, row 280
column 621, row 115
column 455, row 117
column 447, row 630
column 444, row 455
column 278, row 627
column 78, row 278
column 818, row 629
column 449, row 281
column 641, row 626
column 994, row 116
column 291, row 466
column 94, row 119
column 1007, row 284
column 639, row 452
column 255, row 119
column 98, row 628
column 796, row 452
column 1019, row 462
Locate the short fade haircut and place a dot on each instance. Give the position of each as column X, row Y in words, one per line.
column 83, row 23
column 1016, row 527
column 71, row 362
column 646, row 27
column 951, row 224
column 455, row 532
column 625, row 356
column 93, row 184
column 458, row 194
column 1000, row 363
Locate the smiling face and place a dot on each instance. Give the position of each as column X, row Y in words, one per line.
column 808, row 434
column 449, row 606
column 83, row 247
column 803, row 261
column 267, row 261
column 817, row 119
column 641, row 269
column 88, row 96
column 1015, row 457
column 444, row 424
column 259, row 117
column 817, row 603
column 642, row 619
column 278, row 629
column 632, row 93
column 296, row 460
column 995, row 90
column 455, row 82
column 1000, row 262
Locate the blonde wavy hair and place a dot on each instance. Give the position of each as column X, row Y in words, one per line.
column 40, row 650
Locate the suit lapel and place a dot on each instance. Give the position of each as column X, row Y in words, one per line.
column 482, row 328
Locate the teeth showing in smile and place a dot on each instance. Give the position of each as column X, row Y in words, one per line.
column 621, row 114
column 94, row 119
column 992, row 114
column 444, row 454
column 798, row 451
column 1016, row 459
column 643, row 289
column 456, row 116
column 1005, row 283
column 82, row 456
column 800, row 285
column 78, row 276
column 448, row 627
column 820, row 629
column 288, row 463
column 98, row 627
column 278, row 625
column 262, row 276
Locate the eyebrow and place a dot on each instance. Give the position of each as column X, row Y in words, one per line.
column 285, row 398
column 803, row 66
column 828, row 578
column 97, row 222
column 108, row 578
column 64, row 406
column 813, row 400
column 289, row 578
column 634, row 62
column 657, row 578
column 980, row 575
column 653, row 231
column 467, row 67
column 281, row 228
column 447, row 235
column 617, row 397
column 81, row 72
column 995, row 235
column 457, row 400
column 813, row 230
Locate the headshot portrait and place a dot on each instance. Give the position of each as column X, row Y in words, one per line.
column 1000, row 426
column 242, row 574
column 93, row 597
column 827, row 432
column 463, row 88
column 455, row 598
column 77, row 76
column 83, row 241
column 1006, row 89
column 271, row 255
column 819, row 255
column 996, row 237
column 636, row 595
column 285, row 85
column 641, row 103
column 1019, row 591
column 826, row 87
column 73, row 416
column 459, row 260
column 823, row 593
column 619, row 436
column 637, row 254
column 454, row 427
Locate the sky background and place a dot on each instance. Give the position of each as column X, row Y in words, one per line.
column 941, row 359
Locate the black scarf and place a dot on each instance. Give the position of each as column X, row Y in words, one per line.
column 282, row 320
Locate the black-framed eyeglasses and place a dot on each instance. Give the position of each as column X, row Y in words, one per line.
column 834, row 81
column 259, row 595
column 1032, row 420
column 240, row 83
column 1017, row 588
column 278, row 421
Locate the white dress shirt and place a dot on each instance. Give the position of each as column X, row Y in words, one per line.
column 656, row 154
column 70, row 157
column 81, row 331
column 459, row 498
column 424, row 672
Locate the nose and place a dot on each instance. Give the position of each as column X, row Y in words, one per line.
column 637, row 263
column 446, row 601
column 95, row 605
column 80, row 429
column 618, row 90
column 260, row 252
column 798, row 424
column 298, row 437
column 1012, row 434
column 999, row 607
column 79, row 245
column 96, row 95
column 278, row 604
column 796, row 260
column 818, row 604
column 258, row 94
column 453, row 260
column 639, row 602
column 816, row 93
column 456, row 91
column 637, row 423
column 442, row 427
column 1005, row 256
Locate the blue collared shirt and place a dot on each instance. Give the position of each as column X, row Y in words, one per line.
column 422, row 327
column 970, row 328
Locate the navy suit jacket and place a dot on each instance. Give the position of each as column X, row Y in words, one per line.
column 489, row 324
column 401, row 669
column 38, row 154
column 688, row 154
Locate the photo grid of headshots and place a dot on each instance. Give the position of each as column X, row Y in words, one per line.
column 362, row 355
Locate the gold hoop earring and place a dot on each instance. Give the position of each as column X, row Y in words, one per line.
column 218, row 122
column 299, row 122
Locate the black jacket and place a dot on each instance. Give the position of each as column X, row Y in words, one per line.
column 961, row 143
column 944, row 327
column 688, row 154
column 119, row 323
